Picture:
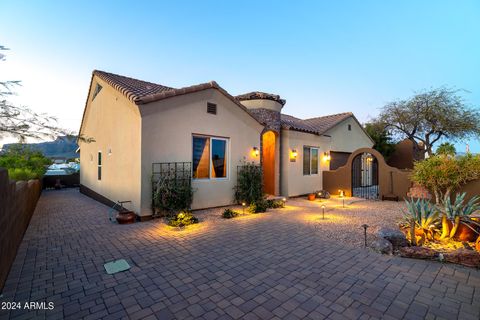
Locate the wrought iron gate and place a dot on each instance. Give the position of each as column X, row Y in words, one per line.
column 365, row 176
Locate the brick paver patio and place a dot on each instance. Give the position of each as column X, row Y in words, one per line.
column 266, row 266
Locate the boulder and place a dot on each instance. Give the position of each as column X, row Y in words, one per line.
column 395, row 236
column 469, row 258
column 382, row 246
column 418, row 253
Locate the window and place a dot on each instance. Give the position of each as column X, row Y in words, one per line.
column 310, row 161
column 99, row 165
column 349, row 127
column 211, row 108
column 209, row 157
column 97, row 91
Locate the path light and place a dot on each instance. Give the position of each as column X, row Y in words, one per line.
column 284, row 201
column 323, row 212
column 365, row 226
column 342, row 195
column 243, row 205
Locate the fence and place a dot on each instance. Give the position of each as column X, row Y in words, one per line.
column 17, row 203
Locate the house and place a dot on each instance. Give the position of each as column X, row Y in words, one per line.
column 136, row 123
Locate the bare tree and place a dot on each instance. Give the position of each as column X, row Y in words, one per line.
column 22, row 122
column 429, row 116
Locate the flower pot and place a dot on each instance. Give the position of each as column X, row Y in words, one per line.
column 465, row 233
column 126, row 217
column 311, row 197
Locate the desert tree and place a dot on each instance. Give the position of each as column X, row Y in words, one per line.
column 21, row 121
column 429, row 116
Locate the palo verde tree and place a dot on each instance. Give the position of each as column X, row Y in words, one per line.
column 430, row 116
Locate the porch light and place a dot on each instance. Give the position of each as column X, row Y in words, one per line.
column 341, row 193
column 293, row 155
column 256, row 151
column 326, row 156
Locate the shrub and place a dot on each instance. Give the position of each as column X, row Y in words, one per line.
column 421, row 214
column 24, row 163
column 258, row 206
column 443, row 174
column 249, row 186
column 173, row 195
column 457, row 212
column 274, row 204
column 228, row 214
column 181, row 219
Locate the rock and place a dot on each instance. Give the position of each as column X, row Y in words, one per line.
column 395, row 236
column 418, row 253
column 464, row 257
column 382, row 246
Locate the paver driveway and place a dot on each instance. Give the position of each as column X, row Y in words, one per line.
column 256, row 267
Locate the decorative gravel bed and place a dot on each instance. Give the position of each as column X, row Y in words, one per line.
column 341, row 224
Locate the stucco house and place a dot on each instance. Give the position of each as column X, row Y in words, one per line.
column 136, row 123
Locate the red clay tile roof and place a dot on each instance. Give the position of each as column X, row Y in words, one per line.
column 260, row 95
column 142, row 92
column 133, row 89
column 318, row 125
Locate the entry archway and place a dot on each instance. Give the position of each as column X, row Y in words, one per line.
column 268, row 161
column 365, row 176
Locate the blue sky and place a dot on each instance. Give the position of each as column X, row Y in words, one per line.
column 323, row 57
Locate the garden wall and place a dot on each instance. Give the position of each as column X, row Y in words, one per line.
column 17, row 203
column 391, row 181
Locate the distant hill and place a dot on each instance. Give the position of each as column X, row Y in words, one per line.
column 62, row 147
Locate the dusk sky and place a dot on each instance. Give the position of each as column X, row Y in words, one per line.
column 323, row 57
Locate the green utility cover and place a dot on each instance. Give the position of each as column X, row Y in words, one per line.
column 116, row 266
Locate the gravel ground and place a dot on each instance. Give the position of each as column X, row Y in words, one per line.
column 341, row 224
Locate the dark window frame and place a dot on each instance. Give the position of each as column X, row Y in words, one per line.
column 99, row 166
column 210, row 166
column 310, row 161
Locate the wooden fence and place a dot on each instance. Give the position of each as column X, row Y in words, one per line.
column 17, row 203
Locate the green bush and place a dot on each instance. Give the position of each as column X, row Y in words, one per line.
column 275, row 203
column 249, row 186
column 24, row 163
column 172, row 195
column 258, row 206
column 181, row 219
column 228, row 214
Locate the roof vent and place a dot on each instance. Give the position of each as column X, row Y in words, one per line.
column 211, row 108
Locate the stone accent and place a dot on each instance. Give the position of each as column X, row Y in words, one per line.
column 270, row 118
column 469, row 258
column 382, row 246
column 395, row 236
column 418, row 253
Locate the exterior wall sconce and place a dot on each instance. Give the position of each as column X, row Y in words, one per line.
column 293, row 155
column 326, row 156
column 110, row 151
column 256, row 151
column 341, row 193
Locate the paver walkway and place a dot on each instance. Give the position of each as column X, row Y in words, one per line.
column 256, row 267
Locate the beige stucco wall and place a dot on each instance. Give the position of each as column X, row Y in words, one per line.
column 293, row 182
column 339, row 138
column 114, row 123
column 262, row 103
column 167, row 128
column 348, row 141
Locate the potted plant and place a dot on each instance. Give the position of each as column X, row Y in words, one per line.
column 311, row 196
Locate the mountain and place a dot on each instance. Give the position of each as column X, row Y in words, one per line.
column 62, row 147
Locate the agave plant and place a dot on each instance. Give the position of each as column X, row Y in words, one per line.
column 421, row 214
column 457, row 212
